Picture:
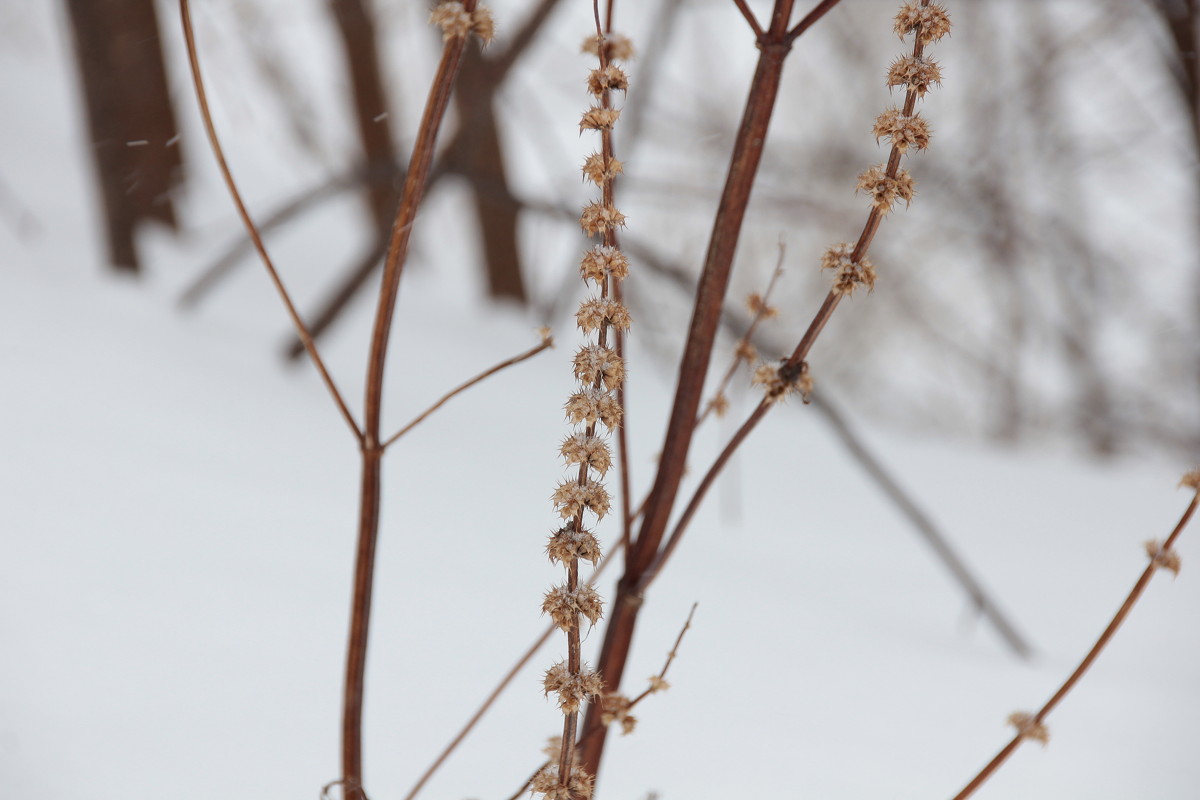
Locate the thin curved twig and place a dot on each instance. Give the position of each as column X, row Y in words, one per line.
column 310, row 346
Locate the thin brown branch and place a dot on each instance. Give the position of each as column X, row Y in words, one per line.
column 749, row 15
column 811, row 18
column 416, row 182
column 547, row 342
column 189, row 38
column 653, row 687
column 1069, row 683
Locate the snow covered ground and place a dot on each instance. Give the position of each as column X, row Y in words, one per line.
column 176, row 534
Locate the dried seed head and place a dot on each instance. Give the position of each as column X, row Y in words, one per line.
column 564, row 605
column 590, row 405
column 616, row 47
column 453, row 19
column 779, row 381
column 615, row 708
column 903, row 132
column 573, row 691
column 759, row 308
column 546, row 783
column 658, row 684
column 603, row 261
column 848, row 274
column 745, row 351
column 598, row 218
column 931, row 22
column 483, row 24
column 595, row 363
column 566, row 544
column 572, row 497
column 885, row 190
column 599, row 119
column 1191, row 480
column 917, row 73
column 1028, row 727
column 610, row 78
column 597, row 311
column 593, row 451
column 1162, row 559
column 598, row 170
column 546, row 335
column 720, row 405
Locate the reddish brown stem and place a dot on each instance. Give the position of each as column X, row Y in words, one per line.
column 1069, row 683
column 710, row 297
column 372, row 449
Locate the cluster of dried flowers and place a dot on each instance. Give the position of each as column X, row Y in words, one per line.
column 456, row 21
column 595, row 410
column 903, row 128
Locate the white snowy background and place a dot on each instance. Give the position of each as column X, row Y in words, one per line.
column 177, row 515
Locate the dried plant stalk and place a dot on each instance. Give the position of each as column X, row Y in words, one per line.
column 1032, row 726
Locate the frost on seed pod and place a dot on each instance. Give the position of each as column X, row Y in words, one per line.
column 563, row 605
column 597, row 311
column 602, row 261
column 903, row 132
column 885, row 190
column 932, row 22
column 595, row 363
column 598, row 218
column 579, row 448
column 598, row 169
column 566, row 543
column 572, row 497
column 573, row 690
column 848, row 274
column 914, row 72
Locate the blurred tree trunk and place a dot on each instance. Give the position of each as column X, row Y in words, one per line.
column 130, row 117
column 357, row 30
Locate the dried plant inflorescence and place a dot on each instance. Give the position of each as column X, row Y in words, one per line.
column 905, row 130
column 1029, row 727
column 456, row 21
column 779, row 380
column 595, row 408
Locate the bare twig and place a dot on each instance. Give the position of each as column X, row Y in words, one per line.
column 546, row 343
column 310, row 346
column 749, row 15
column 1031, row 726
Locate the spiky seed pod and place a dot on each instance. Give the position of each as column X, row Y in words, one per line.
column 601, row 262
column 596, row 312
column 1028, row 727
column 598, row 218
column 931, row 22
column 885, row 190
column 453, row 19
column 579, row 448
column 590, row 405
column 616, row 47
column 777, row 383
column 1162, row 558
column 902, row 132
column 573, row 691
column 610, row 78
column 483, row 24
column 572, row 497
column 595, row 363
column 598, row 118
column 615, row 708
column 848, row 274
column 566, row 543
column 598, row 170
column 546, row 783
column 759, row 308
column 916, row 72
column 564, row 604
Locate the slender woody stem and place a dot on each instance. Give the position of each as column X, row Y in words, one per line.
column 372, row 449
column 189, row 38
column 1069, row 683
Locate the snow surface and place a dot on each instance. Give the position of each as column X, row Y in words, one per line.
column 178, row 510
